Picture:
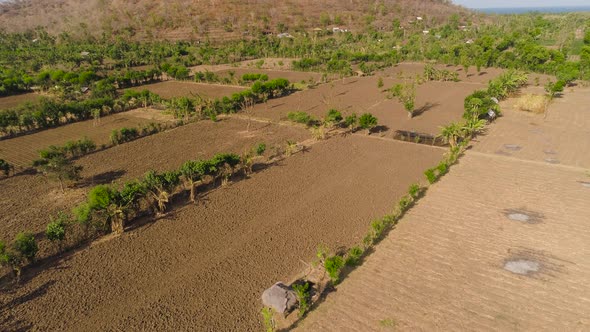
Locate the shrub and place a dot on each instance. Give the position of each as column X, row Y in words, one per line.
column 56, row 229
column 333, row 265
column 414, row 191
column 300, row 117
column 260, row 148
column 333, row 117
column 367, row 121
column 5, row 167
column 269, row 322
column 380, row 82
column 354, row 256
column 303, row 296
column 443, row 168
column 26, row 245
column 430, row 175
column 351, row 121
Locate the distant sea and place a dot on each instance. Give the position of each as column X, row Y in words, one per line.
column 522, row 10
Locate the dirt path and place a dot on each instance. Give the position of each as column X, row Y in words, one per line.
column 499, row 244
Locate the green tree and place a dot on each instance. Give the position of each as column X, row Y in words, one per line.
column 160, row 186
column 58, row 167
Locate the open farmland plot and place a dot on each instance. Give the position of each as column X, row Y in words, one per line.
column 28, row 200
column 560, row 137
column 16, row 100
column 204, row 266
column 171, row 89
column 22, row 150
column 438, row 102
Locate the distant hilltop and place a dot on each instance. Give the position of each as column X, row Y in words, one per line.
column 215, row 19
column 522, row 10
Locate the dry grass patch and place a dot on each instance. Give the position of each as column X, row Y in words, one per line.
column 531, row 103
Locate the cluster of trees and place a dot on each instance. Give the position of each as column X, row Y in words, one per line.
column 129, row 78
column 49, row 113
column 332, row 119
column 6, row 167
column 433, row 74
column 71, row 149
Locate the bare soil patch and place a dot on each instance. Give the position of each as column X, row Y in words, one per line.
column 456, row 260
column 22, row 150
column 204, row 266
column 16, row 100
column 170, row 89
column 437, row 103
column 558, row 136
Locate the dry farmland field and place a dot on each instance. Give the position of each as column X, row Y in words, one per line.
column 171, row 89
column 438, row 103
column 16, row 100
column 203, row 266
column 22, row 150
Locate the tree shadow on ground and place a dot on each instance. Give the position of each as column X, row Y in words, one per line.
column 102, row 178
column 427, row 107
column 379, row 129
column 40, row 291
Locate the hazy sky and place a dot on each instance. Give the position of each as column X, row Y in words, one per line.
column 521, row 3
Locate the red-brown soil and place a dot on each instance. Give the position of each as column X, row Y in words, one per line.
column 559, row 136
column 438, row 103
column 22, row 150
column 170, row 89
column 16, row 100
column 204, row 266
column 28, row 200
column 445, row 266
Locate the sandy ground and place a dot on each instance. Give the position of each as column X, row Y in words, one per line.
column 559, row 137
column 499, row 244
column 22, row 150
column 170, row 89
column 204, row 266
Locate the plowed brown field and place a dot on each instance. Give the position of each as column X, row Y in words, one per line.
column 28, row 200
column 204, row 266
column 21, row 151
column 499, row 244
column 170, row 89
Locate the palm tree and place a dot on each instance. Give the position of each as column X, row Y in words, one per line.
column 451, row 133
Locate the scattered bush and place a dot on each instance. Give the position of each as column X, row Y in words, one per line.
column 268, row 319
column 5, row 167
column 333, row 266
column 250, row 77
column 26, row 245
column 333, row 118
column 367, row 121
column 56, row 229
column 351, row 121
column 354, row 256
column 301, row 117
column 303, row 296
